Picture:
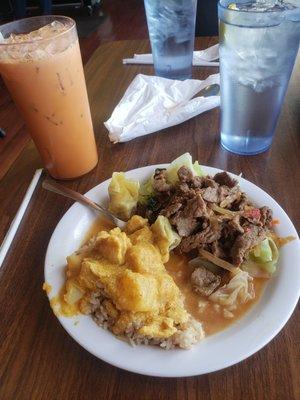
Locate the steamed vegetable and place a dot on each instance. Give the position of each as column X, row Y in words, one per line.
column 73, row 292
column 239, row 290
column 202, row 262
column 165, row 237
column 123, row 195
column 218, row 261
column 146, row 192
column 262, row 259
column 184, row 160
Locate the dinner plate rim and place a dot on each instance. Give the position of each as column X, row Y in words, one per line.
column 170, row 374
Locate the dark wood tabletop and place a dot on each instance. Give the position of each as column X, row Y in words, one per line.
column 38, row 359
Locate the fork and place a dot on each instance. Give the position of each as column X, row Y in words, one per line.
column 55, row 187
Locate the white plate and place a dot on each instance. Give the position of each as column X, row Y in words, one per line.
column 215, row 352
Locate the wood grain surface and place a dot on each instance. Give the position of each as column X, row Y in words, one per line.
column 39, row 360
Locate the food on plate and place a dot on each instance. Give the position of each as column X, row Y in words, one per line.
column 194, row 256
column 120, row 280
column 123, row 194
column 229, row 242
column 214, row 218
column 165, row 237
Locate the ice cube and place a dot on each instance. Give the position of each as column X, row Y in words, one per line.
column 262, row 5
column 34, row 45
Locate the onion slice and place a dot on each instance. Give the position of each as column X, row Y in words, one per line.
column 218, row 261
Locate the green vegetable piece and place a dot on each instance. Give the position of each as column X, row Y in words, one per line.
column 186, row 160
column 262, row 259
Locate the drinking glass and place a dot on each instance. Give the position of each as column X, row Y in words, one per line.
column 41, row 65
column 259, row 41
column 171, row 25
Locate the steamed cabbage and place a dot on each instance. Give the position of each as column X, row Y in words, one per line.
column 262, row 259
column 183, row 160
column 146, row 190
column 123, row 195
column 164, row 236
column 239, row 290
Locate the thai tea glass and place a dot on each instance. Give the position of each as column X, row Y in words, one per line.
column 43, row 73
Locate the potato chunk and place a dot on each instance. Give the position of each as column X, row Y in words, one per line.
column 136, row 292
column 144, row 258
column 135, row 223
column 113, row 245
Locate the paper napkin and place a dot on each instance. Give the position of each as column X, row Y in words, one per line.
column 152, row 103
column 200, row 58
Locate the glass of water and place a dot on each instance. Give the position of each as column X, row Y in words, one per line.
column 171, row 25
column 259, row 41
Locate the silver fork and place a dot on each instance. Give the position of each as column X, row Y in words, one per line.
column 55, row 187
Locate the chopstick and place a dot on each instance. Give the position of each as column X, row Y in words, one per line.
column 18, row 217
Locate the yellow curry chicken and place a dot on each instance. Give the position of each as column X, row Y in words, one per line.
column 120, row 278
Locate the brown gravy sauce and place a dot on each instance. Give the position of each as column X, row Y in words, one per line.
column 211, row 316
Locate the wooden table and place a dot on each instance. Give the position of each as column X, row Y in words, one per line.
column 38, row 358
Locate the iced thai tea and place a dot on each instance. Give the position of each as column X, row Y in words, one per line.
column 41, row 65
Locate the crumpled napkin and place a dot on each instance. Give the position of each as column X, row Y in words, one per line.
column 152, row 103
column 200, row 58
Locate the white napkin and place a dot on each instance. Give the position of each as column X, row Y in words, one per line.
column 152, row 103
column 200, row 58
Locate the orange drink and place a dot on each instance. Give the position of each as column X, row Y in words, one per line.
column 41, row 65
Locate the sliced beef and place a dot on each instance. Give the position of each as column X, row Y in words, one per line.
column 197, row 182
column 241, row 203
column 207, row 181
column 204, row 281
column 252, row 215
column 185, row 225
column 210, row 194
column 183, row 189
column 190, row 207
column 186, row 220
column 185, row 174
column 266, row 216
column 234, row 195
column 209, row 234
column 172, row 208
column 217, row 250
column 160, row 181
column 227, row 239
column 234, row 223
column 195, row 207
column 244, row 242
column 223, row 192
column 259, row 216
column 222, row 178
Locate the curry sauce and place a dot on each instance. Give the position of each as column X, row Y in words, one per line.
column 210, row 314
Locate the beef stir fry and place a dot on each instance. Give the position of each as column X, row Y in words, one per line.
column 211, row 214
column 228, row 241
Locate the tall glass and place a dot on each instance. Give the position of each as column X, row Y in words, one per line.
column 43, row 73
column 259, row 41
column 171, row 25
